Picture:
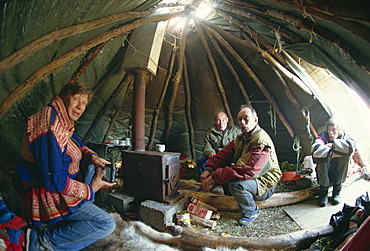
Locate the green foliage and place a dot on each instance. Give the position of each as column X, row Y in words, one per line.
column 286, row 166
column 324, row 243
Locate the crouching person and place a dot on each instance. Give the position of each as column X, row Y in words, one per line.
column 57, row 203
column 248, row 166
column 332, row 152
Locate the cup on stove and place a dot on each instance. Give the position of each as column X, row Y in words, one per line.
column 160, row 147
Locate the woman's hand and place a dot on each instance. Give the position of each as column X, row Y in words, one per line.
column 97, row 183
column 97, row 161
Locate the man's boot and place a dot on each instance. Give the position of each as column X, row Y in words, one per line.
column 336, row 196
column 323, row 196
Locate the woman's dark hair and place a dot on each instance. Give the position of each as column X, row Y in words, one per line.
column 75, row 88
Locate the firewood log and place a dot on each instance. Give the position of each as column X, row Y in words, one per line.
column 291, row 241
column 228, row 203
column 196, row 220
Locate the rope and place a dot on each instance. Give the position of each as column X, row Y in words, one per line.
column 297, row 148
column 278, row 42
column 271, row 112
column 251, row 35
column 306, row 114
column 305, row 15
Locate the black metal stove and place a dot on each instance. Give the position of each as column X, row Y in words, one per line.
column 152, row 175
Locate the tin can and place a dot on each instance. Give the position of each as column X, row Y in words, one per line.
column 183, row 218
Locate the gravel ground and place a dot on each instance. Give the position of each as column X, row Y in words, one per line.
column 270, row 222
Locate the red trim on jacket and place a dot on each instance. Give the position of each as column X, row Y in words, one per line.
column 228, row 171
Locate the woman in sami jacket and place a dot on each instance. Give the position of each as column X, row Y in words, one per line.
column 57, row 202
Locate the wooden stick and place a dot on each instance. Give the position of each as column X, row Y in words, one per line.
column 188, row 112
column 111, row 99
column 291, row 241
column 158, row 109
column 228, row 203
column 215, row 72
column 87, row 60
column 309, row 14
column 308, row 25
column 60, row 34
column 294, row 100
column 276, row 27
column 196, row 220
column 257, row 81
column 176, row 81
column 23, row 88
column 128, row 90
column 257, row 40
column 341, row 9
column 229, row 65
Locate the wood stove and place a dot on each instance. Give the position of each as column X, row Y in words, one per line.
column 152, row 175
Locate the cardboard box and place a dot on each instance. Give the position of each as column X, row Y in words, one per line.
column 196, row 201
column 199, row 211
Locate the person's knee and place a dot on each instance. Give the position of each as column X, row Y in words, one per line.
column 111, row 226
column 243, row 185
column 108, row 225
column 235, row 186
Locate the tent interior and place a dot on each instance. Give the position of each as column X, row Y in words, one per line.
column 214, row 55
column 286, row 60
column 298, row 63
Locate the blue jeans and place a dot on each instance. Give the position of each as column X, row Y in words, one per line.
column 201, row 163
column 82, row 228
column 245, row 193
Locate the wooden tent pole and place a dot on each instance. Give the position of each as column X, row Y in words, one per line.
column 257, row 81
column 342, row 9
column 280, row 69
column 23, row 88
column 111, row 99
column 129, row 88
column 276, row 27
column 229, row 65
column 306, row 24
column 27, row 50
column 257, row 40
column 176, row 81
column 158, row 109
column 294, row 100
column 215, row 71
column 188, row 112
column 87, row 61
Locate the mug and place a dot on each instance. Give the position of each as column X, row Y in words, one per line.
column 160, row 147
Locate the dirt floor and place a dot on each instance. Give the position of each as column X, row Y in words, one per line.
column 270, row 222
